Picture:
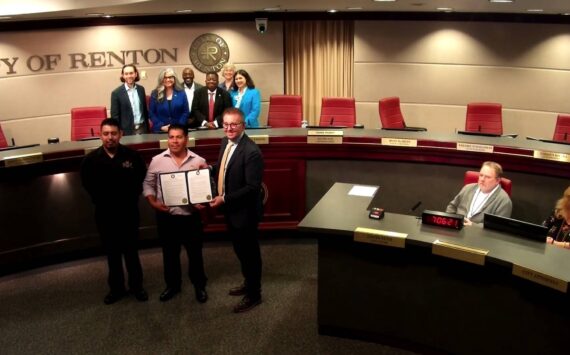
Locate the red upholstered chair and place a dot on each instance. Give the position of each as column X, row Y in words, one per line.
column 484, row 118
column 473, row 177
column 338, row 111
column 285, row 111
column 3, row 143
column 86, row 121
column 562, row 130
column 391, row 116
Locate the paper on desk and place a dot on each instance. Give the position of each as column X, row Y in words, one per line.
column 360, row 190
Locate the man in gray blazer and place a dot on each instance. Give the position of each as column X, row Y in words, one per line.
column 485, row 196
column 128, row 103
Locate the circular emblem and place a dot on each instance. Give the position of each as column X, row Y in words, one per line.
column 209, row 52
column 184, row 200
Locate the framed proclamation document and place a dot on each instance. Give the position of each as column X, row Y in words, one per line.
column 186, row 187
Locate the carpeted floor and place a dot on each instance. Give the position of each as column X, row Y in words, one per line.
column 59, row 309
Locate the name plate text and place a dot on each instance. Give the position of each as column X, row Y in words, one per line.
column 459, row 252
column 260, row 139
column 540, row 278
column 400, row 142
column 325, row 132
column 472, row 147
column 380, row 237
column 561, row 157
column 324, row 139
column 23, row 159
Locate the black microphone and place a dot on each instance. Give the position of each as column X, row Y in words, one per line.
column 414, row 207
column 13, row 142
column 332, row 121
column 565, row 136
column 479, row 128
column 92, row 132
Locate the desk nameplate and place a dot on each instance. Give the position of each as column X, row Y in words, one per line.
column 325, row 132
column 260, row 139
column 399, row 142
column 380, row 237
column 472, row 147
column 459, row 252
column 546, row 155
column 540, row 278
column 191, row 143
column 324, row 139
column 89, row 150
column 23, row 159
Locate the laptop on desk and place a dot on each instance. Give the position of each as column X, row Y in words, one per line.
column 515, row 227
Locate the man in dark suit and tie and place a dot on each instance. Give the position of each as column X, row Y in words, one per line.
column 209, row 103
column 239, row 172
column 128, row 103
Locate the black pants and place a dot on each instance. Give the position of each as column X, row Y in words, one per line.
column 119, row 236
column 175, row 231
column 246, row 246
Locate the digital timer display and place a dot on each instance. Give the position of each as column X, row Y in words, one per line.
column 442, row 219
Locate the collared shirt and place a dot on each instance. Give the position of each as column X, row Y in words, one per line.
column 190, row 94
column 113, row 182
column 165, row 163
column 135, row 103
column 211, row 94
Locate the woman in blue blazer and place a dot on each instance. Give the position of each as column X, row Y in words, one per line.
column 247, row 98
column 168, row 102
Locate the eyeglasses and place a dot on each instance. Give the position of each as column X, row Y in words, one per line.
column 231, row 125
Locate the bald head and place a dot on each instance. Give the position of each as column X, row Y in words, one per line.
column 188, row 76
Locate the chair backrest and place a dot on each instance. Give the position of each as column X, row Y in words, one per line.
column 3, row 142
column 562, row 130
column 338, row 111
column 473, row 177
column 484, row 117
column 285, row 111
column 85, row 121
column 390, row 113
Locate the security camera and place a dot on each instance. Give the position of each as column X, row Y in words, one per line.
column 261, row 25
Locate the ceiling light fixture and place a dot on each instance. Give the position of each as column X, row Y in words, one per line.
column 445, row 9
column 332, row 11
column 353, row 8
column 501, row 1
column 185, row 11
column 534, row 10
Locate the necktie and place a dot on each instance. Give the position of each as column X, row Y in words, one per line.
column 211, row 108
column 222, row 171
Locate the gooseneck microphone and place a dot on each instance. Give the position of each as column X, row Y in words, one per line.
column 414, row 207
column 332, row 121
column 92, row 132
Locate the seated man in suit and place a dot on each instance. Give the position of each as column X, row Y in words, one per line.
column 209, row 103
column 485, row 196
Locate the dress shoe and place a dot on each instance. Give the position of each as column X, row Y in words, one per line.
column 246, row 304
column 201, row 295
column 238, row 291
column 113, row 297
column 168, row 294
column 140, row 295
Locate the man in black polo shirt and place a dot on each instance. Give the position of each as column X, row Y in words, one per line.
column 113, row 175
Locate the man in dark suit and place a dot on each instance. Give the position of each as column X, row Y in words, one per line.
column 239, row 172
column 209, row 103
column 128, row 103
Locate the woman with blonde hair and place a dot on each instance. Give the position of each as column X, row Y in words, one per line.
column 168, row 102
column 228, row 71
column 559, row 222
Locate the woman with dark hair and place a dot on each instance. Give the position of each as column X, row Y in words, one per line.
column 168, row 102
column 559, row 222
column 246, row 97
